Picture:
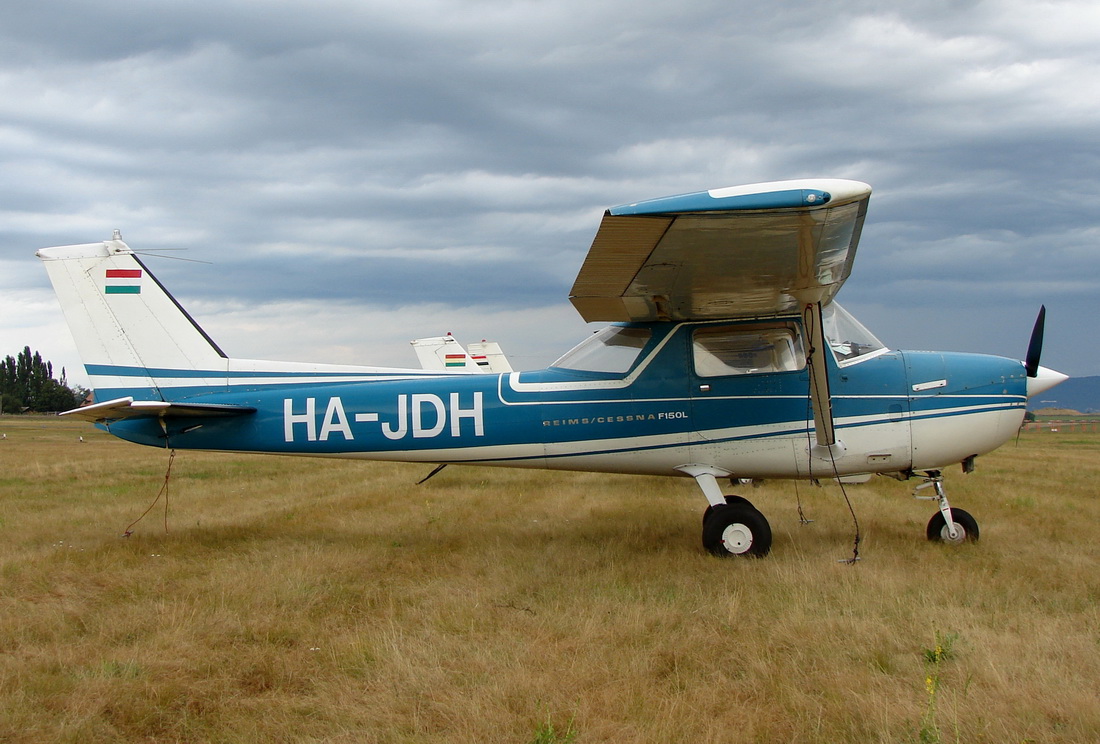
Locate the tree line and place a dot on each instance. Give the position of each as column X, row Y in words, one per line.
column 27, row 385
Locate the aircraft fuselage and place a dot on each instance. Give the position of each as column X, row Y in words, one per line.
column 895, row 411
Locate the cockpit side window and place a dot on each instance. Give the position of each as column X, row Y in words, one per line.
column 613, row 349
column 747, row 349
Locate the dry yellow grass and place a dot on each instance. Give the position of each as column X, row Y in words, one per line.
column 299, row 600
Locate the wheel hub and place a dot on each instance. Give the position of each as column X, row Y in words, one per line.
column 960, row 535
column 737, row 538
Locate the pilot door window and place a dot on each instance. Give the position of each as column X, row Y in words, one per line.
column 747, row 350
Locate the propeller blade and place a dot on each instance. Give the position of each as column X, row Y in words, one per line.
column 1035, row 346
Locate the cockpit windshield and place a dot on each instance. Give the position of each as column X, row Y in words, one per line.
column 847, row 337
column 613, row 349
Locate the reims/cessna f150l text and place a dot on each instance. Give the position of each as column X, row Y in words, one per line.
column 726, row 357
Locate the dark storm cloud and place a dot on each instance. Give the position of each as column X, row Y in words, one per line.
column 392, row 154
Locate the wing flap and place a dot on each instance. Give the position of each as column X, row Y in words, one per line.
column 739, row 252
column 618, row 254
column 124, row 408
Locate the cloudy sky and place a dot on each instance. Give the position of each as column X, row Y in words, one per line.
column 359, row 173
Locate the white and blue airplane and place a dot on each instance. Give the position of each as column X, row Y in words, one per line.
column 726, row 358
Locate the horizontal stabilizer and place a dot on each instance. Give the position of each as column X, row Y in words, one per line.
column 124, row 408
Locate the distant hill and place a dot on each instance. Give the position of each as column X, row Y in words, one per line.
column 1077, row 393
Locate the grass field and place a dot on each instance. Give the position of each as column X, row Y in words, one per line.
column 298, row 600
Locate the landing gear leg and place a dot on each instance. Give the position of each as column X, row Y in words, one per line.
column 949, row 525
column 731, row 525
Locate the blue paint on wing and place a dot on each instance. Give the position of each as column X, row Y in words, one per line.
column 703, row 201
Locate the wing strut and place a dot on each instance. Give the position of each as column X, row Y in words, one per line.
column 827, row 446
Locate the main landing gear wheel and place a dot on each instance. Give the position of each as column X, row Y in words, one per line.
column 965, row 525
column 730, row 499
column 736, row 529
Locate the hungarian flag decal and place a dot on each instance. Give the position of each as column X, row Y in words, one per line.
column 123, row 281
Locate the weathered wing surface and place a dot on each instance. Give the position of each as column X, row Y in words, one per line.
column 744, row 251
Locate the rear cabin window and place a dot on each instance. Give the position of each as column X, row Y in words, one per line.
column 613, row 350
column 747, row 349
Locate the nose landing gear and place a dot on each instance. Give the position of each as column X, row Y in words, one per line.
column 950, row 525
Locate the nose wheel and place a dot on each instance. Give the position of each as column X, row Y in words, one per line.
column 966, row 528
column 949, row 525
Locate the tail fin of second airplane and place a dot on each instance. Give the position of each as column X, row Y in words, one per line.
column 443, row 353
column 129, row 331
column 489, row 357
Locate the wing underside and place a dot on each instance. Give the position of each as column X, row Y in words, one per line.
column 740, row 252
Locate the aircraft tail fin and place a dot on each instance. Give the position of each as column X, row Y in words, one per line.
column 443, row 354
column 489, row 357
column 129, row 331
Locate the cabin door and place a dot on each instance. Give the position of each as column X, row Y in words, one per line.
column 748, row 380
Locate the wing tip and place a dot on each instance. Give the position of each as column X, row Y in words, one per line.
column 806, row 193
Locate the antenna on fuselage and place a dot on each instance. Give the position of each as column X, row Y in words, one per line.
column 431, row 474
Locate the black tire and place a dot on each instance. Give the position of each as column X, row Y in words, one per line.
column 730, row 499
column 966, row 525
column 736, row 529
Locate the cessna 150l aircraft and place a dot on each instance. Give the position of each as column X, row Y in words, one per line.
column 726, row 358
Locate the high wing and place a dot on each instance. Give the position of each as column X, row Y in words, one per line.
column 743, row 251
column 124, row 408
